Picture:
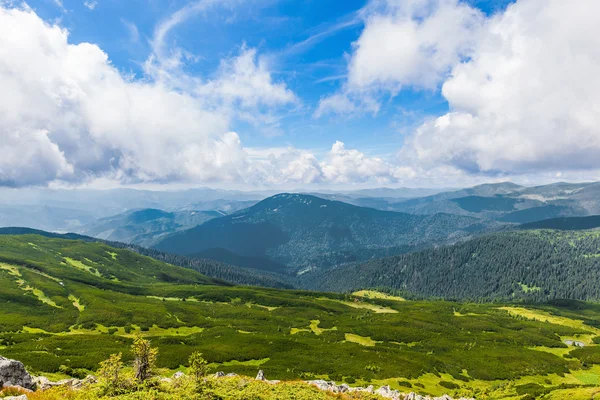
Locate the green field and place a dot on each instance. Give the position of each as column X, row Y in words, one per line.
column 70, row 303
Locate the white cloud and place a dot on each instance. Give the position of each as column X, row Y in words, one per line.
column 60, row 5
column 246, row 79
column 404, row 43
column 90, row 4
column 528, row 101
column 337, row 166
column 69, row 116
column 352, row 166
column 132, row 29
column 243, row 81
column 411, row 42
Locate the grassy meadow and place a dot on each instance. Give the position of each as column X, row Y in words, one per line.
column 67, row 305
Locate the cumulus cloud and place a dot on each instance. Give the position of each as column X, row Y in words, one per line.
column 404, row 43
column 68, row 115
column 352, row 166
column 337, row 166
column 527, row 101
column 247, row 80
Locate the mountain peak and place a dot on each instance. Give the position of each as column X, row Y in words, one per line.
column 286, row 199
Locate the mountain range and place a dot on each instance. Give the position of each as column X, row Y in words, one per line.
column 306, row 232
column 147, row 226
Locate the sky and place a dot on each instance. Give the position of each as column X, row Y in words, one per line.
column 253, row 94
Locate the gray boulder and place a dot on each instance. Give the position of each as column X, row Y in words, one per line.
column 231, row 375
column 260, row 376
column 220, row 374
column 21, row 397
column 178, row 375
column 388, row 393
column 13, row 373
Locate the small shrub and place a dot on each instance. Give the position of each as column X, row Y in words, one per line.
column 12, row 391
column 110, row 374
column 144, row 358
column 449, row 385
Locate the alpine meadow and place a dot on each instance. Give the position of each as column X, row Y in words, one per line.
column 300, row 200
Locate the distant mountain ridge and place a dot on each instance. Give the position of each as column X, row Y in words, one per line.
column 303, row 231
column 506, row 202
column 146, row 227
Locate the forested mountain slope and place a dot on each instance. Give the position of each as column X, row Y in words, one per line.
column 567, row 224
column 305, row 231
column 534, row 265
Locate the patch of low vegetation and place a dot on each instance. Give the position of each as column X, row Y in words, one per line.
column 438, row 347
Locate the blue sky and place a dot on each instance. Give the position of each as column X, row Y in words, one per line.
column 288, row 93
column 308, row 42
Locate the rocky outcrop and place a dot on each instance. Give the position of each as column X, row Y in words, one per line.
column 21, row 397
column 13, row 373
column 384, row 391
column 44, row 383
column 260, row 376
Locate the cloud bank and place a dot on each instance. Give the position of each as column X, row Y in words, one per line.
column 521, row 85
column 69, row 115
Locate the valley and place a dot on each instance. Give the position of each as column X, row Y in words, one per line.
column 52, row 306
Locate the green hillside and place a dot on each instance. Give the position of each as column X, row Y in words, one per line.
column 73, row 303
column 303, row 231
column 535, row 265
column 215, row 269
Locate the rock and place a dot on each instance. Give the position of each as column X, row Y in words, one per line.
column 166, row 380
column 21, row 397
column 330, row 386
column 44, row 383
column 388, row 393
column 260, row 376
column 220, row 374
column 231, row 375
column 178, row 375
column 79, row 383
column 13, row 373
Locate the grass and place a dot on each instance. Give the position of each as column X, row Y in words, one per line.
column 83, row 267
column 365, row 305
column 529, row 289
column 363, row 341
column 373, row 294
column 77, row 303
column 431, row 347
